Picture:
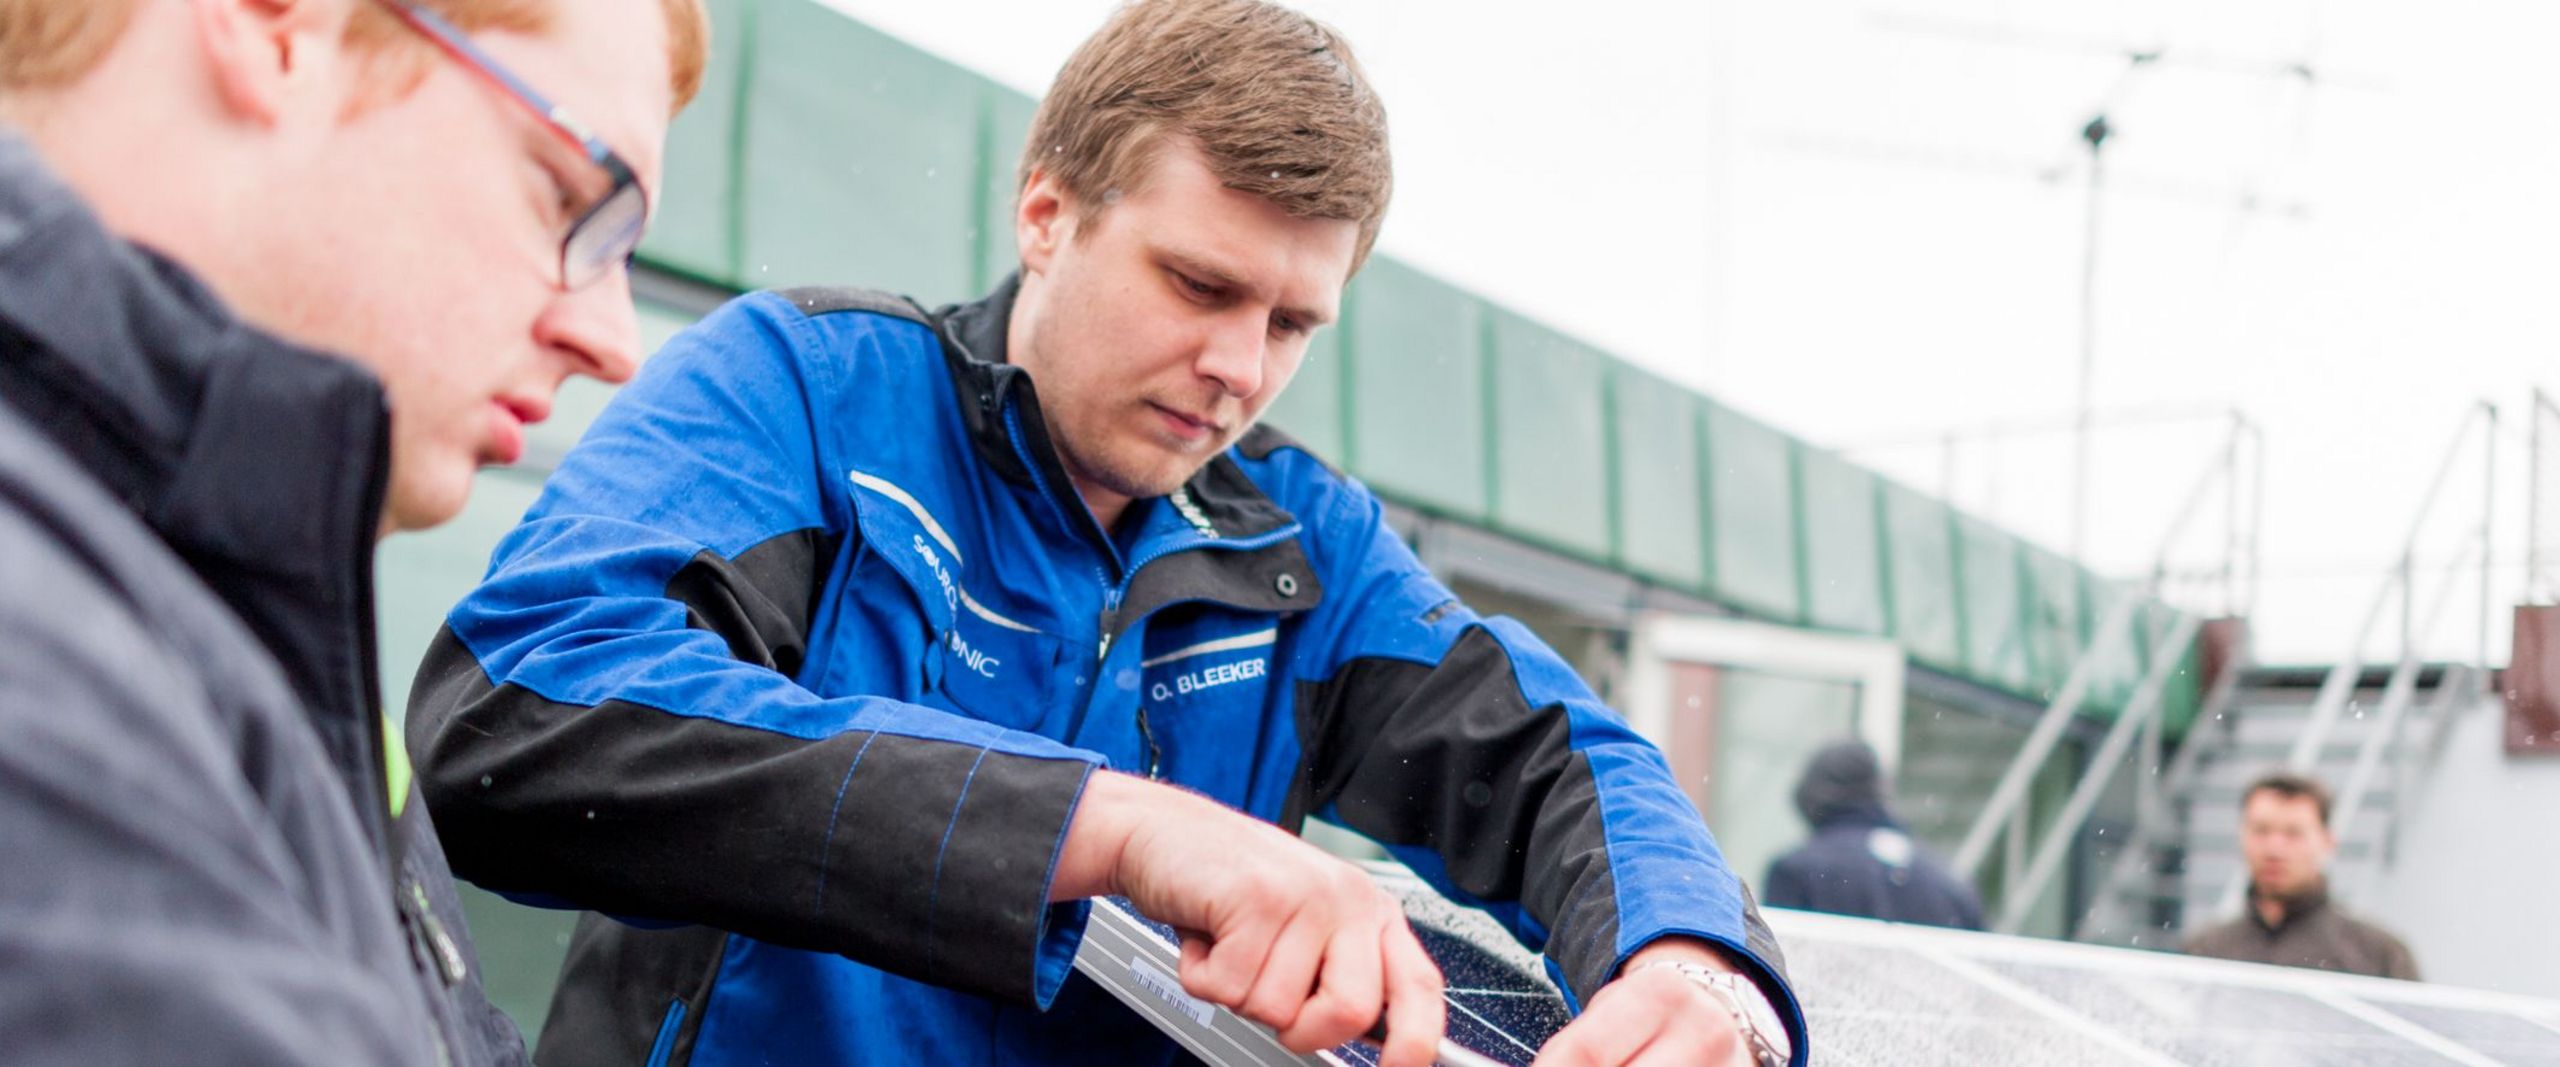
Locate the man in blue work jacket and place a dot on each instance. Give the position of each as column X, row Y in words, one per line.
column 814, row 645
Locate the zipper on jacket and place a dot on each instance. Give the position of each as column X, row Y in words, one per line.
column 1155, row 752
column 1112, row 596
column 1110, row 617
column 449, row 962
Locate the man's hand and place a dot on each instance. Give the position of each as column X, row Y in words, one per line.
column 1654, row 1017
column 1272, row 927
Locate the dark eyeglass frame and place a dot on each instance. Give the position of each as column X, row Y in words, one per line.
column 607, row 233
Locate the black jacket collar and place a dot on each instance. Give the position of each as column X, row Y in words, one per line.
column 259, row 462
column 986, row 385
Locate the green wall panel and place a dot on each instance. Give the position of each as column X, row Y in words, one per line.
column 1550, row 436
column 1005, row 120
column 1843, row 585
column 861, row 159
column 1310, row 409
column 2118, row 664
column 2054, row 625
column 1417, row 400
column 1920, row 553
column 1995, row 646
column 691, row 233
column 1661, row 531
column 2184, row 697
column 1752, row 476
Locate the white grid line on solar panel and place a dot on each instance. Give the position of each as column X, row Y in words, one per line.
column 2403, row 1029
column 2514, row 1039
column 2047, row 1007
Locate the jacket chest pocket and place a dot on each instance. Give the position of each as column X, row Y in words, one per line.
column 968, row 658
column 1003, row 672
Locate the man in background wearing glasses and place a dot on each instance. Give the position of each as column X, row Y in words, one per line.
column 210, row 851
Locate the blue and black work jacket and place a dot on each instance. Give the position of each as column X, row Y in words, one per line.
column 802, row 659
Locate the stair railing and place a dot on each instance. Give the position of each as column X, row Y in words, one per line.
column 2460, row 688
column 2019, row 899
column 2398, row 586
column 2397, row 696
column 2153, row 817
column 2007, row 803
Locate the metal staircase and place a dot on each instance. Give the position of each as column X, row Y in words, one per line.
column 2370, row 730
column 2186, row 876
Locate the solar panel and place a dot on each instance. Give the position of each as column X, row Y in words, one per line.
column 1882, row 994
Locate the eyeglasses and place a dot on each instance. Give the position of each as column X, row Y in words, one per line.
column 606, row 234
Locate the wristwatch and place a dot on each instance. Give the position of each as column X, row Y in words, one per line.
column 1762, row 1033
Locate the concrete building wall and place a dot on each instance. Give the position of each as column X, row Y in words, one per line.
column 2476, row 887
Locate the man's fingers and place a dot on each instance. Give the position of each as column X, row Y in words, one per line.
column 1286, row 978
column 1350, row 991
column 1601, row 1037
column 1416, row 1014
column 1220, row 968
column 1651, row 1021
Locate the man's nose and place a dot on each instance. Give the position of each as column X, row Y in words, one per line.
column 1232, row 354
column 595, row 328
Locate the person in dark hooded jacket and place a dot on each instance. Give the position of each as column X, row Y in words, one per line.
column 1861, row 861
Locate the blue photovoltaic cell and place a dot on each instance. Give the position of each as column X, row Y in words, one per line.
column 1500, row 1002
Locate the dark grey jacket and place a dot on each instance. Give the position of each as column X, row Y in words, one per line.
column 2315, row 933
column 198, row 834
column 1860, row 860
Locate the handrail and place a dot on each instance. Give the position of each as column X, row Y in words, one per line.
column 2019, row 899
column 2147, row 824
column 2335, row 688
column 2400, row 582
column 2006, row 796
column 2453, row 689
column 2536, row 590
column 2396, row 698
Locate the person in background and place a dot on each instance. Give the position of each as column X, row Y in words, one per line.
column 2290, row 920
column 276, row 277
column 1861, row 861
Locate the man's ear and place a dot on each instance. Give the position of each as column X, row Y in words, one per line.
column 1043, row 220
column 268, row 58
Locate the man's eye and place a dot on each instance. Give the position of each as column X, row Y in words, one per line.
column 1287, row 325
column 1196, row 287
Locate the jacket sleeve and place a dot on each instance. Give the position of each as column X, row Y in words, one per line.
column 1474, row 753
column 611, row 721
column 151, row 906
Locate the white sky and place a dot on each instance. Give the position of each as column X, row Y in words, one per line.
column 1835, row 214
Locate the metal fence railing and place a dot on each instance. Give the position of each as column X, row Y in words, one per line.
column 2542, row 501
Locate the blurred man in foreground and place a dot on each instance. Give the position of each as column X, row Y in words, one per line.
column 275, row 277
column 832, row 552
column 2290, row 920
column 1860, row 860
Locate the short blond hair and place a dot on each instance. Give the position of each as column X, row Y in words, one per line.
column 47, row 44
column 1274, row 100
